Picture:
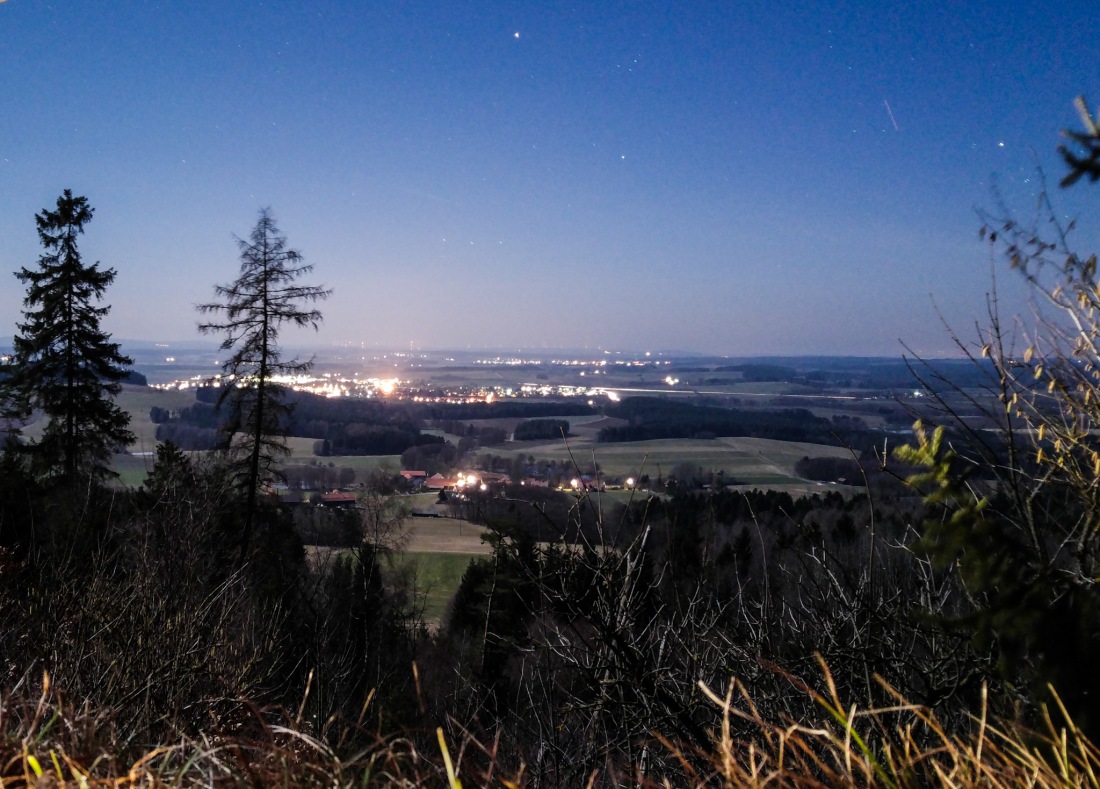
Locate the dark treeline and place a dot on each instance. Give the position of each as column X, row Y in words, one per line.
column 475, row 434
column 651, row 418
column 760, row 372
column 363, row 439
column 830, row 469
column 190, row 437
column 349, row 426
column 541, row 429
column 431, row 458
column 501, row 409
column 341, row 426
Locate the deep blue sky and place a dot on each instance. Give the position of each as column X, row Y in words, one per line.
column 713, row 176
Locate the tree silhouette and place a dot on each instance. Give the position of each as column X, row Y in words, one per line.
column 253, row 309
column 65, row 365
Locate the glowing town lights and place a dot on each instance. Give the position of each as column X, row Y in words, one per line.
column 575, row 483
column 671, row 381
column 629, row 483
column 332, row 385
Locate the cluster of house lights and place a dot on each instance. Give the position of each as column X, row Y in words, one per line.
column 331, row 385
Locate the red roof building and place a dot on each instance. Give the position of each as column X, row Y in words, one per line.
column 338, row 499
column 439, row 482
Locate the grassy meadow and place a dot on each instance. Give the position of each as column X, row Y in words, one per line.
column 437, row 550
column 438, row 575
column 137, row 400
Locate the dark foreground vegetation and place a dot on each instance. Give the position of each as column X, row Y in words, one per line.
column 941, row 633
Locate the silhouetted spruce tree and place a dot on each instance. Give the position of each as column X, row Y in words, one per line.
column 65, row 365
column 171, row 477
column 253, row 309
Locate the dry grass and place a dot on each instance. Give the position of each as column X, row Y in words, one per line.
column 46, row 742
column 899, row 746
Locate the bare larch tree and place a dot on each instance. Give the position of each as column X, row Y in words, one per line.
column 252, row 310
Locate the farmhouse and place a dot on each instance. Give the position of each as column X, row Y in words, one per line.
column 339, row 500
column 490, row 477
column 439, row 482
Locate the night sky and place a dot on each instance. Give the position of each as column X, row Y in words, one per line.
column 730, row 177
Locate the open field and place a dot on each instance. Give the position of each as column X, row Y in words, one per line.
column 301, row 450
column 438, row 550
column 444, row 535
column 585, row 427
column 754, row 461
column 438, row 576
column 132, row 469
column 583, row 423
column 435, row 431
column 137, row 400
column 300, row 446
column 872, row 420
column 422, row 501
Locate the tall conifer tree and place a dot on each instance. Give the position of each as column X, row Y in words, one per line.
column 65, row 365
column 254, row 308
